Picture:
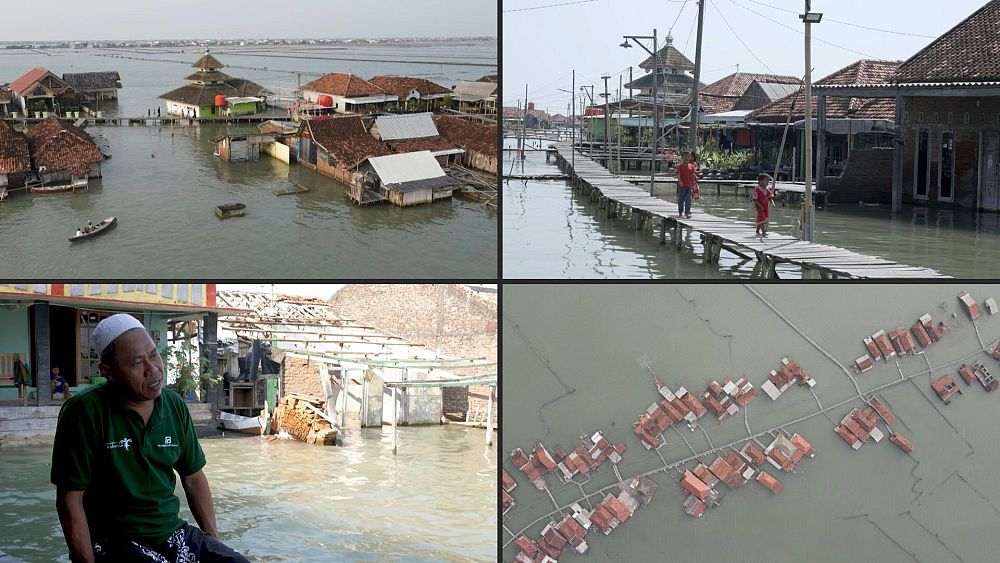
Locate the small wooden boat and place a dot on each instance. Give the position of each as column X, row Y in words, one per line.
column 245, row 424
column 298, row 189
column 57, row 188
column 227, row 210
column 97, row 229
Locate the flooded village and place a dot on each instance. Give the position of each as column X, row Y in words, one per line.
column 322, row 419
column 570, row 492
column 896, row 150
column 331, row 142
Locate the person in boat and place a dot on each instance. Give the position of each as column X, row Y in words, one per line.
column 89, row 227
column 117, row 448
column 763, row 197
column 78, row 232
column 687, row 182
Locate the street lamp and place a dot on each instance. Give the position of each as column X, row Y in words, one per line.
column 808, row 18
column 656, row 108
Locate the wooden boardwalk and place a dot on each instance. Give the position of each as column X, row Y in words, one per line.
column 619, row 198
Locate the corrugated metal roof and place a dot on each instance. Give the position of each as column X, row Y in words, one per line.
column 411, row 126
column 406, row 167
column 775, row 90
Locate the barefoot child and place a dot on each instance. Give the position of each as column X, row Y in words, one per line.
column 763, row 196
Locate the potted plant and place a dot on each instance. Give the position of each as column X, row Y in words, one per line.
column 191, row 368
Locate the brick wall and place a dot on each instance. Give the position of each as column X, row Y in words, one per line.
column 867, row 177
column 966, row 117
column 446, row 318
column 301, row 376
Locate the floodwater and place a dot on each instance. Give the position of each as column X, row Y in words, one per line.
column 163, row 184
column 940, row 504
column 550, row 232
column 290, row 501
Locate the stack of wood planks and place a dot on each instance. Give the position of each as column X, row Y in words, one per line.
column 303, row 418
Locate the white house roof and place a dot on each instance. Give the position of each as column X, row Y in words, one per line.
column 406, row 167
column 410, row 126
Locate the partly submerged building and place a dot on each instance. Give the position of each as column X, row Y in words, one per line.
column 102, row 85
column 213, row 93
column 15, row 157
column 414, row 94
column 405, row 179
column 341, row 92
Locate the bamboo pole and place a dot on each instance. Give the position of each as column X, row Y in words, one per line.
column 489, row 419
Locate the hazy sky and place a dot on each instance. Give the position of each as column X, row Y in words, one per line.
column 541, row 47
column 189, row 19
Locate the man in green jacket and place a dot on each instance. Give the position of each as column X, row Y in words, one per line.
column 116, row 449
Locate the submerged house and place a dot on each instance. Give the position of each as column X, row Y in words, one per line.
column 415, row 132
column 95, row 85
column 213, row 93
column 475, row 97
column 38, row 90
column 341, row 92
column 335, row 146
column 414, row 94
column 15, row 157
column 406, row 179
column 479, row 140
column 63, row 153
column 855, row 148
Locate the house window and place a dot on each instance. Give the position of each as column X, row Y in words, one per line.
column 921, row 164
column 947, row 168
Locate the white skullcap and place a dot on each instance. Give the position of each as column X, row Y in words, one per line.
column 111, row 328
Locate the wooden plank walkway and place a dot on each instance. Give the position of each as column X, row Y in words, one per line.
column 618, row 198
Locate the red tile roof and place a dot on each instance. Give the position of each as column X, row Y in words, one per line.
column 863, row 72
column 770, row 482
column 694, row 485
column 544, row 457
column 755, row 454
column 968, row 52
column 966, row 373
column 617, row 508
column 945, row 387
column 60, row 146
column 23, row 83
column 518, row 458
column 694, row 404
column 602, row 518
column 846, row 434
column 736, row 84
column 15, row 156
column 343, row 84
column 805, row 447
column 882, row 410
column 402, row 85
column 528, row 546
column 345, row 138
column 901, row 442
column 432, row 144
column 508, row 482
column 469, row 135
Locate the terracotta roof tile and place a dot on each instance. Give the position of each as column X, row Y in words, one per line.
column 863, row 72
column 343, row 84
column 61, row 146
column 93, row 80
column 402, row 85
column 469, row 135
column 970, row 51
column 345, row 139
column 15, row 156
column 426, row 144
column 736, row 84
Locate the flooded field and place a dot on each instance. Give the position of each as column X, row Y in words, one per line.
column 549, row 232
column 290, row 501
column 938, row 504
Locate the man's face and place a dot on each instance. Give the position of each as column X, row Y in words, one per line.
column 137, row 367
column 55, row 372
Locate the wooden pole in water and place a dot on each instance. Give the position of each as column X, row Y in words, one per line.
column 343, row 409
column 393, row 420
column 489, row 419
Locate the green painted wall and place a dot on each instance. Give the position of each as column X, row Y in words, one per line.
column 243, row 108
column 14, row 338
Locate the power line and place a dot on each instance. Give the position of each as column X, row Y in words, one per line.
column 848, row 23
column 742, row 42
column 690, row 33
column 800, row 32
column 679, row 12
column 548, row 6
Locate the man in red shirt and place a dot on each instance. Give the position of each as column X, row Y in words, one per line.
column 687, row 181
